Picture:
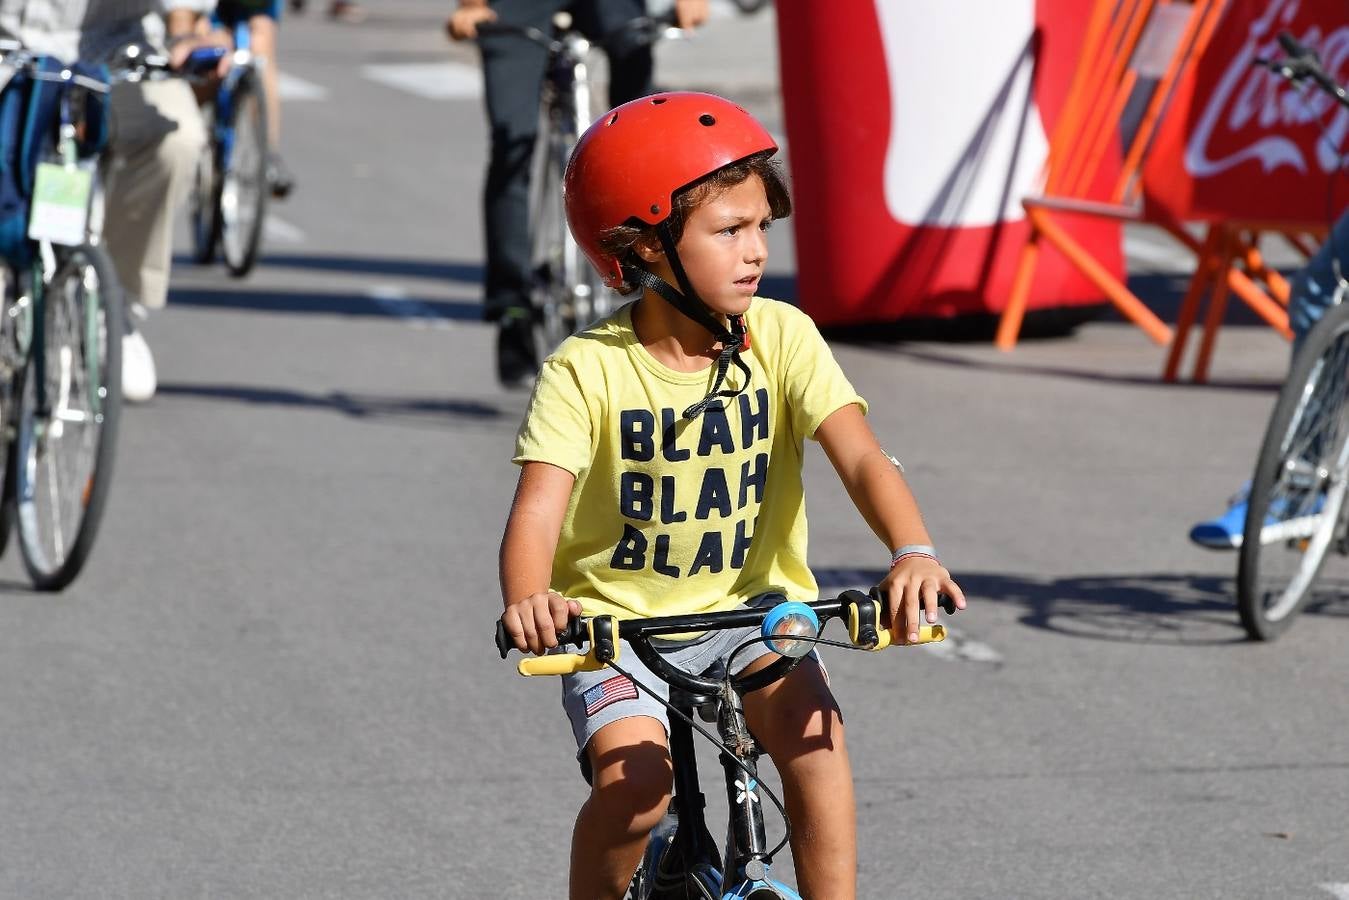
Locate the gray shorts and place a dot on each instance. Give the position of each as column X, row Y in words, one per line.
column 594, row 699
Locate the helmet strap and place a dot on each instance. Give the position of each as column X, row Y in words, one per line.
column 687, row 301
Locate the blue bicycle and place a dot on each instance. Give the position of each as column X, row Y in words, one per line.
column 229, row 194
column 682, row 861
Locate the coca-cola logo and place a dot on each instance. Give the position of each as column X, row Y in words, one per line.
column 1256, row 114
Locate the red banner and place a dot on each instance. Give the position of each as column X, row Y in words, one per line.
column 1238, row 141
column 915, row 128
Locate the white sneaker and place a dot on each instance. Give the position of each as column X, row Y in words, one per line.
column 138, row 369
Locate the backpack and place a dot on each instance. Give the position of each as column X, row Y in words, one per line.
column 30, row 110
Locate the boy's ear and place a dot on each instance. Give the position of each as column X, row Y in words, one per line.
column 649, row 249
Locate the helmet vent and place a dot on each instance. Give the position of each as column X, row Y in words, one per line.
column 612, row 119
column 657, row 101
column 706, row 119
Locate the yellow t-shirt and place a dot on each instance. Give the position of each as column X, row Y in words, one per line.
column 670, row 516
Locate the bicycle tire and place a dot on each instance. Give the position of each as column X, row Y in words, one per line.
column 204, row 201
column 1317, row 385
column 551, row 293
column 243, row 176
column 10, row 363
column 748, row 7
column 77, row 353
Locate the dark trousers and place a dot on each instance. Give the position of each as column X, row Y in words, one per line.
column 513, row 70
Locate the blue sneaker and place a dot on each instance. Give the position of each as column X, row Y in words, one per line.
column 1283, row 523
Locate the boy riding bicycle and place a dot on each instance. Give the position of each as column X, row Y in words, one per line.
column 661, row 460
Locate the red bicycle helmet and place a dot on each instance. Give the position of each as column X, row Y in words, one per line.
column 630, row 163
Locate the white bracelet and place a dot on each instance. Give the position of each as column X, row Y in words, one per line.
column 913, row 550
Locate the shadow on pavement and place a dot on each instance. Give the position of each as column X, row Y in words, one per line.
column 360, row 406
column 346, row 303
column 439, row 270
column 1175, row 608
column 930, row 355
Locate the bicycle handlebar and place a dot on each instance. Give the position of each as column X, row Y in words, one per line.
column 1303, row 64
column 862, row 613
column 640, row 31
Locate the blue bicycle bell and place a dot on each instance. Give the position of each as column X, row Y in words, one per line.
column 790, row 628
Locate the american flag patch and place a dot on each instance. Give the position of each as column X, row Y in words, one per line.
column 608, row 692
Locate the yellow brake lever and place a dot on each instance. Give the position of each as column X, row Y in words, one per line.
column 569, row 663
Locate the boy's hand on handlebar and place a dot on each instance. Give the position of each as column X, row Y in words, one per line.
column 533, row 623
column 911, row 589
column 463, row 24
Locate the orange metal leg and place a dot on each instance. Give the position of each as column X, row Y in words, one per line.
column 1216, row 309
column 1009, row 326
column 1125, row 301
column 1274, row 314
column 1189, row 307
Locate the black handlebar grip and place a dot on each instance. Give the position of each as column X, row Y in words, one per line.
column 575, row 633
column 1291, row 46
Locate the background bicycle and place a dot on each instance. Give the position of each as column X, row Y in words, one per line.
column 61, row 316
column 229, row 194
column 567, row 293
column 1296, row 513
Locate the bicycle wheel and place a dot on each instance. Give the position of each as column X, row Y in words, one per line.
column 67, row 417
column 552, row 264
column 1297, row 495
column 243, row 176
column 205, row 198
column 11, row 361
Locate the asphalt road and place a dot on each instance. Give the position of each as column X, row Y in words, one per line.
column 275, row 678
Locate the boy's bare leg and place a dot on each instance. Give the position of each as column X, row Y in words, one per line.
column 630, row 790
column 797, row 722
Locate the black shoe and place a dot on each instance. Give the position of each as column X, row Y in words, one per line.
column 279, row 178
column 517, row 358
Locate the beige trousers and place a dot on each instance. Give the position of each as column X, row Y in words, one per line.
column 157, row 136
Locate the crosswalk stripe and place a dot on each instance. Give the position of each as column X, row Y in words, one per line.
column 281, row 231
column 1341, row 891
column 433, row 81
column 292, row 87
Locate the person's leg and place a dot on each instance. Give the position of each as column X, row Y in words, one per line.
column 157, row 137
column 513, row 69
column 262, row 39
column 262, row 35
column 1313, row 288
column 631, row 781
column 631, row 64
column 798, row 723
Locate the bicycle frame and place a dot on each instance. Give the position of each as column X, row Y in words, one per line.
column 742, row 872
column 222, row 132
column 747, row 842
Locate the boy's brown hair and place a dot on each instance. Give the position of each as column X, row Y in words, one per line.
column 621, row 240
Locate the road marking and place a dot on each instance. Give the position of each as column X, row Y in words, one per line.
column 1341, row 891
column 433, row 81
column 395, row 301
column 959, row 648
column 292, row 87
column 275, row 229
